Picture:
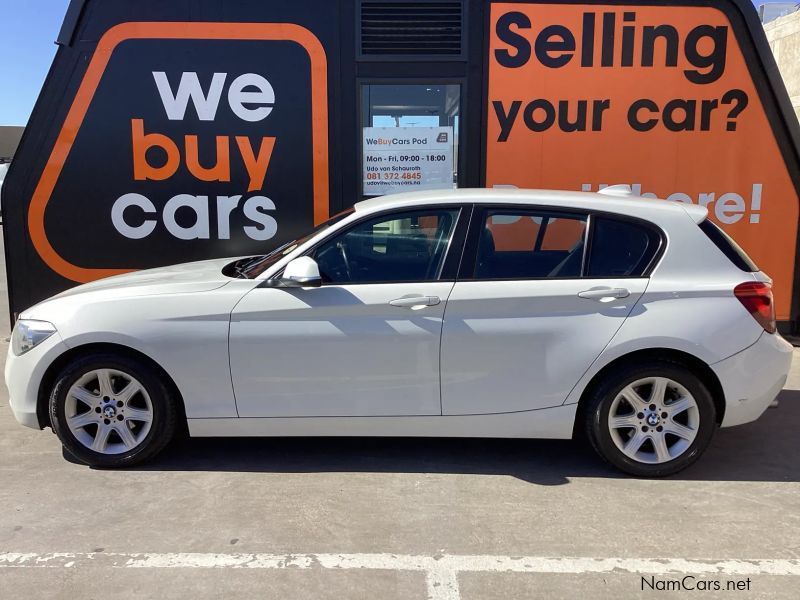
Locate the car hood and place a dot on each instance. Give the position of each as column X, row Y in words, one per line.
column 198, row 276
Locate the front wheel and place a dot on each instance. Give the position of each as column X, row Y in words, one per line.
column 111, row 411
column 652, row 419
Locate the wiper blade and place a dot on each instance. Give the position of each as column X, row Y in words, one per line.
column 249, row 262
column 279, row 248
column 242, row 269
column 242, row 266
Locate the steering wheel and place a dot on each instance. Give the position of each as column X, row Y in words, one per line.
column 345, row 261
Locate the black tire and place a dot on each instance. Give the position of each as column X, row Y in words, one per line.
column 597, row 408
column 164, row 412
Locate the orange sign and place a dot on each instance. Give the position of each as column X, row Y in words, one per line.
column 584, row 96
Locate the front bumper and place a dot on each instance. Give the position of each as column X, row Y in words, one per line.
column 24, row 375
column 752, row 378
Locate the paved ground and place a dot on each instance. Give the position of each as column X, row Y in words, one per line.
column 400, row 519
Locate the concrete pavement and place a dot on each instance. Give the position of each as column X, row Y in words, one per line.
column 361, row 518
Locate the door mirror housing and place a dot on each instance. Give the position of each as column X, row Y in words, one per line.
column 299, row 273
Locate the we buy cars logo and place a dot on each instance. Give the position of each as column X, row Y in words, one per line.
column 255, row 162
column 184, row 141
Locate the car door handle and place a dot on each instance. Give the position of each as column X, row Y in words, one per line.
column 604, row 294
column 415, row 301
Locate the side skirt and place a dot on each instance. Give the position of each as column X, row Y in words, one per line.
column 551, row 423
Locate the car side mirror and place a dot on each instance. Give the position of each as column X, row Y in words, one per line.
column 301, row 272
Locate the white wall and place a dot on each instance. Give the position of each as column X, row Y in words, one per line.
column 784, row 39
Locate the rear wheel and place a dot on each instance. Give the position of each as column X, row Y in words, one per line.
column 111, row 411
column 652, row 419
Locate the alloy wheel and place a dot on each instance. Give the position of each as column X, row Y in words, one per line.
column 653, row 420
column 108, row 411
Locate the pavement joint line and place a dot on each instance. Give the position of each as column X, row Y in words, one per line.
column 441, row 571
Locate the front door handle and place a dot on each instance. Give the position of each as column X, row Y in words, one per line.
column 415, row 302
column 604, row 294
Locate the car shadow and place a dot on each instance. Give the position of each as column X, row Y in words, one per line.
column 766, row 450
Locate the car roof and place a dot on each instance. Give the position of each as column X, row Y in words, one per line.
column 614, row 199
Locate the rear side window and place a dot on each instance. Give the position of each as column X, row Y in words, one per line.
column 621, row 248
column 729, row 248
column 530, row 245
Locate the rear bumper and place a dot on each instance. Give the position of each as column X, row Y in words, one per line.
column 753, row 378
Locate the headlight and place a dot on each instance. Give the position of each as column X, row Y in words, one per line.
column 28, row 334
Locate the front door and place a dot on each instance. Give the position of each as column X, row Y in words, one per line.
column 534, row 310
column 367, row 342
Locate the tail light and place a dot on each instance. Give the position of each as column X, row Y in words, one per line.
column 756, row 297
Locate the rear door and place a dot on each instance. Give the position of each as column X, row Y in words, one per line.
column 539, row 295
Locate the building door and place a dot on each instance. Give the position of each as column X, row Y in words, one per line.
column 409, row 137
column 411, row 68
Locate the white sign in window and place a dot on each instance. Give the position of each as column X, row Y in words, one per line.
column 406, row 159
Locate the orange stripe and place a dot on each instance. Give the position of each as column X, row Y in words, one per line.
column 210, row 31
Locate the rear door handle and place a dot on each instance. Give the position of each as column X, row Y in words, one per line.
column 604, row 294
column 415, row 301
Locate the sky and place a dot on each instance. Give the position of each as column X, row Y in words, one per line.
column 28, row 29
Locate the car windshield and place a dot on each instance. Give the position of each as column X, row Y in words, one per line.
column 250, row 268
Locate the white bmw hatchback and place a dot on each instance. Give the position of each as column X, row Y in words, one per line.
column 478, row 313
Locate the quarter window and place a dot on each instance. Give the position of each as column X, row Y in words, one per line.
column 408, row 246
column 729, row 247
column 621, row 248
column 517, row 245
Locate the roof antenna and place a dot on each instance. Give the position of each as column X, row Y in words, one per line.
column 621, row 189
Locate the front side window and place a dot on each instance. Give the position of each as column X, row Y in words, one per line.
column 408, row 246
column 250, row 268
column 524, row 245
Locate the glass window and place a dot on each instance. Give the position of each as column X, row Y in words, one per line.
column 409, row 137
column 517, row 245
column 250, row 268
column 406, row 246
column 621, row 248
column 729, row 247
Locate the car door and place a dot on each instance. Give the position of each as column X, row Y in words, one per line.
column 367, row 341
column 532, row 307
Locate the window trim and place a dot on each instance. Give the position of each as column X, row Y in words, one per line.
column 455, row 250
column 462, row 213
column 469, row 259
